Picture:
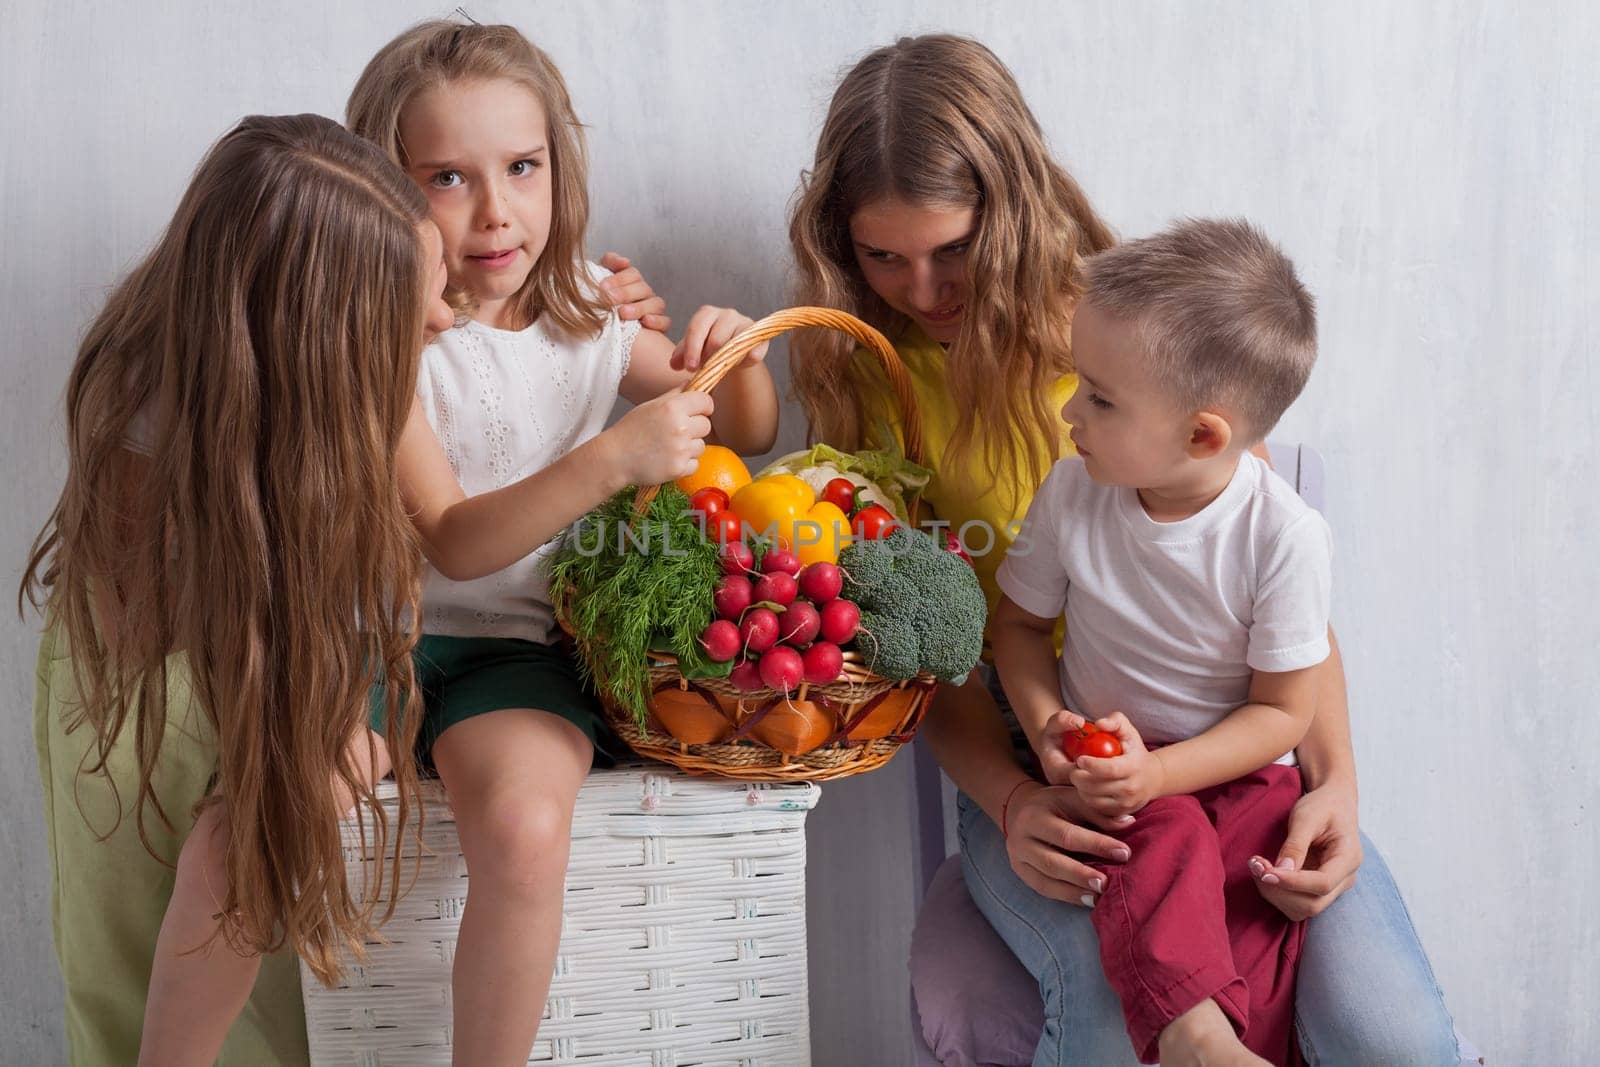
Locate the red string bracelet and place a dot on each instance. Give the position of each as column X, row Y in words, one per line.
column 1004, row 834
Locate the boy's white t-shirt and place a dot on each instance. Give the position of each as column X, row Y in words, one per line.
column 1165, row 622
column 504, row 404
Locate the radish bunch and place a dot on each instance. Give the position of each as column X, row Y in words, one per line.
column 781, row 625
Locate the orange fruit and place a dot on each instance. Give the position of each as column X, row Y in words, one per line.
column 719, row 467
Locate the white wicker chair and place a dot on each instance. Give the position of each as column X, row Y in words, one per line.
column 683, row 935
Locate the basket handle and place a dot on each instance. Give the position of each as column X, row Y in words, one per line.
column 732, row 354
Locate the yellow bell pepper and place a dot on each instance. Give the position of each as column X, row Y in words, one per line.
column 770, row 506
column 821, row 534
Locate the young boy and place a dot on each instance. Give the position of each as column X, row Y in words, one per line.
column 1195, row 587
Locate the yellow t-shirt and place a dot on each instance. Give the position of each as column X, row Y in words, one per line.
column 958, row 493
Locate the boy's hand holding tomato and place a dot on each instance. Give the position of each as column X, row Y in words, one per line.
column 1058, row 769
column 1118, row 786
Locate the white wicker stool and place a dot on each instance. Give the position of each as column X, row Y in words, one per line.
column 683, row 938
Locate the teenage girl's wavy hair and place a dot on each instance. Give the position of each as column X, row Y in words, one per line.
column 262, row 360
column 439, row 52
column 939, row 121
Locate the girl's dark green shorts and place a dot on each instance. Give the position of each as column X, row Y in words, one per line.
column 466, row 676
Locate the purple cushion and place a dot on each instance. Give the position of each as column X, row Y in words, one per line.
column 977, row 1005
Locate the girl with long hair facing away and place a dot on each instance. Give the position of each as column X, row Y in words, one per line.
column 232, row 532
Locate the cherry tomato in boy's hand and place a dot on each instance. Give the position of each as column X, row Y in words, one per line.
column 709, row 501
column 1090, row 740
column 725, row 527
column 841, row 493
column 872, row 522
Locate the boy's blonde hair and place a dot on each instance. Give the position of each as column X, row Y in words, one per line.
column 439, row 52
column 232, row 495
column 1220, row 313
column 939, row 121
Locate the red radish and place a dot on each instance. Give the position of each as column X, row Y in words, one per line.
column 732, row 597
column 759, row 630
column 721, row 641
column 778, row 587
column 782, row 669
column 781, row 559
column 840, row 618
column 737, row 558
column 821, row 582
column 746, row 676
column 799, row 623
column 952, row 543
column 823, row 663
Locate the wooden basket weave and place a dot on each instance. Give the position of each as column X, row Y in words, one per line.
column 871, row 716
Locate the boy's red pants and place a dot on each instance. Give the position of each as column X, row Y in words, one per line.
column 1182, row 919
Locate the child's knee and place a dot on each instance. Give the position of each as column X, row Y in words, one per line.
column 1427, row 1039
column 518, row 838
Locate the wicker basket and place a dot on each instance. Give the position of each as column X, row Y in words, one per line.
column 682, row 934
column 736, row 732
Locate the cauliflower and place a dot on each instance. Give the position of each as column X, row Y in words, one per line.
column 883, row 477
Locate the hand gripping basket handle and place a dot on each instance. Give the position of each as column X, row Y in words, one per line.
column 732, row 354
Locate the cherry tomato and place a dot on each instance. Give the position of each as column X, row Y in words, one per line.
column 841, row 493
column 872, row 522
column 1090, row 740
column 709, row 501
column 725, row 528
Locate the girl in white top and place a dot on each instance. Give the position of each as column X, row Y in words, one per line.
column 505, row 448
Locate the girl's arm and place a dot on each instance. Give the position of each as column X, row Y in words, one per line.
column 1327, row 759
column 746, row 413
column 1322, row 850
column 968, row 736
column 467, row 537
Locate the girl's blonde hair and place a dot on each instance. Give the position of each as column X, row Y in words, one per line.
column 939, row 121
column 439, row 52
column 262, row 360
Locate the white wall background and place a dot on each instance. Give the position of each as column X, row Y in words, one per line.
column 1430, row 166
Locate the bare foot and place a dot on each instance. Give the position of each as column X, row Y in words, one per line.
column 1203, row 1037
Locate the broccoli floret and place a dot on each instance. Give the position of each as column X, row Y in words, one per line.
column 890, row 646
column 864, row 570
column 870, row 567
column 950, row 650
column 925, row 606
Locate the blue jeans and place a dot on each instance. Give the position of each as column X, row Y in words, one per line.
column 1366, row 993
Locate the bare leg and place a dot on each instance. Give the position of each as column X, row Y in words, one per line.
column 513, row 777
column 1203, row 1037
column 197, row 993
